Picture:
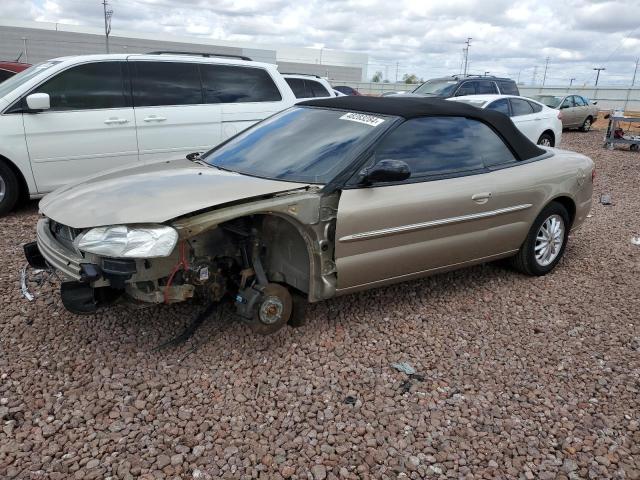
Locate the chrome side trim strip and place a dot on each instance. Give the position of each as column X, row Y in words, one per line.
column 434, row 223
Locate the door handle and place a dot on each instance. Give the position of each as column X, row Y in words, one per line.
column 481, row 197
column 154, row 118
column 113, row 120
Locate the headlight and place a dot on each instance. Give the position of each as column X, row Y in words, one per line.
column 122, row 241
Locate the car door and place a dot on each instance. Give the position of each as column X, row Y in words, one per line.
column 486, row 87
column 466, row 88
column 569, row 112
column 524, row 118
column 501, row 105
column 318, row 90
column 438, row 218
column 172, row 117
column 90, row 126
column 582, row 109
column 245, row 95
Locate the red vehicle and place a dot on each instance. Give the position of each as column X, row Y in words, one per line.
column 9, row 69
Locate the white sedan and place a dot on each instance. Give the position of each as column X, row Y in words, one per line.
column 541, row 124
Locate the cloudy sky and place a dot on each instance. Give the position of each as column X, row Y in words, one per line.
column 425, row 37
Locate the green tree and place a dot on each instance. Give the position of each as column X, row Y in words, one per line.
column 377, row 77
column 410, row 78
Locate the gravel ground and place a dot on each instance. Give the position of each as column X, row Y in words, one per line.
column 520, row 377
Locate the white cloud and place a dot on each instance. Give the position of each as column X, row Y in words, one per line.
column 424, row 37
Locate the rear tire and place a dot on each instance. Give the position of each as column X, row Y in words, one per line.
column 550, row 229
column 586, row 125
column 546, row 140
column 9, row 189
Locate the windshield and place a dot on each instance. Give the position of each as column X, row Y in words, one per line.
column 440, row 88
column 549, row 100
column 14, row 82
column 301, row 144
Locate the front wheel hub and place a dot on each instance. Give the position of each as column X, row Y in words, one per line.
column 272, row 310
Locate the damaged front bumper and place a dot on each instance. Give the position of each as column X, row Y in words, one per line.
column 88, row 279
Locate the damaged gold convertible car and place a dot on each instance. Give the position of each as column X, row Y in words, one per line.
column 325, row 198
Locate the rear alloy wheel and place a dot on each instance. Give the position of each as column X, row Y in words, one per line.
column 273, row 310
column 9, row 189
column 545, row 243
column 546, row 140
column 586, row 125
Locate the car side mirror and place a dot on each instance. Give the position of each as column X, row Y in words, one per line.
column 38, row 102
column 386, row 171
column 593, row 102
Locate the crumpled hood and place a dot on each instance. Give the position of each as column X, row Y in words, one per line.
column 153, row 193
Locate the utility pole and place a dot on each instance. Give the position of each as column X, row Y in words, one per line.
column 633, row 82
column 571, row 80
column 107, row 23
column 599, row 69
column 535, row 74
column 397, row 65
column 466, row 55
column 486, row 73
column 26, row 53
column 544, row 77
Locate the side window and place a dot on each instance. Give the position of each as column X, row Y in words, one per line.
column 434, row 146
column 520, row 107
column 4, row 74
column 298, row 87
column 501, row 106
column 467, row 88
column 317, row 89
column 568, row 102
column 536, row 107
column 579, row 101
column 165, row 83
column 508, row 88
column 86, row 87
column 486, row 87
column 231, row 84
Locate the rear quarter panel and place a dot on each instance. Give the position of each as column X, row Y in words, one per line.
column 562, row 174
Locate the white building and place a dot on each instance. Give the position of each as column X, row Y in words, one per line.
column 40, row 41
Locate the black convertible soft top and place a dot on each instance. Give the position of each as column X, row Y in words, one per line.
column 412, row 107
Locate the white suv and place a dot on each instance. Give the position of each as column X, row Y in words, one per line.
column 306, row 87
column 75, row 116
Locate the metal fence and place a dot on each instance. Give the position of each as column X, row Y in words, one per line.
column 608, row 97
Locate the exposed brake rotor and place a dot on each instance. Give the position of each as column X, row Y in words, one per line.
column 272, row 311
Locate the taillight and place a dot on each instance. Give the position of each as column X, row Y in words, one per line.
column 593, row 174
column 559, row 115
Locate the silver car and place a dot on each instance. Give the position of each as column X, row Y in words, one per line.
column 576, row 111
column 326, row 198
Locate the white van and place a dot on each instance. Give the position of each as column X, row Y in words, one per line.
column 71, row 117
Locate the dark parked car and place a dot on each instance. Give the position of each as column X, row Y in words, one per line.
column 9, row 69
column 348, row 90
column 459, row 85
